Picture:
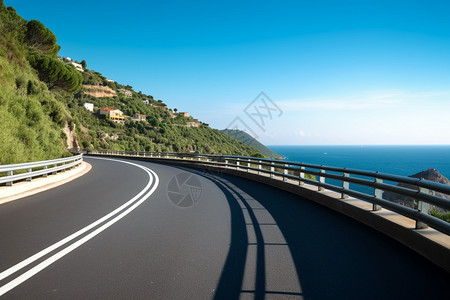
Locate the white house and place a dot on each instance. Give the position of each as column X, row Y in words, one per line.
column 89, row 106
column 77, row 66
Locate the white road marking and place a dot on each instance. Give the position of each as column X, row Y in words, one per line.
column 20, row 279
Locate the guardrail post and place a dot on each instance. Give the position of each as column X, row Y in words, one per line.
column 10, row 183
column 272, row 169
column 237, row 164
column 285, row 172
column 45, row 175
column 259, row 167
column 29, row 171
column 321, row 180
column 345, row 186
column 377, row 193
column 301, row 176
column 423, row 207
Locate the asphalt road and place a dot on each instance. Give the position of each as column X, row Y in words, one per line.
column 152, row 231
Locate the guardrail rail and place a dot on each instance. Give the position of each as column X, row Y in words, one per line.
column 39, row 168
column 423, row 194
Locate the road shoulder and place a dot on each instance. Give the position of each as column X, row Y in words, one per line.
column 38, row 185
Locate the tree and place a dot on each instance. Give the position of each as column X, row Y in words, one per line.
column 175, row 110
column 10, row 21
column 41, row 38
column 56, row 74
column 83, row 64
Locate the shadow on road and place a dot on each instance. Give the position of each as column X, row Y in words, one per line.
column 288, row 247
column 230, row 283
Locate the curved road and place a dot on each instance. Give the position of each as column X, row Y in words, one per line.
column 140, row 230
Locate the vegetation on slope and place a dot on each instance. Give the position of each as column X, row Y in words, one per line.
column 247, row 139
column 160, row 132
column 30, row 116
column 40, row 94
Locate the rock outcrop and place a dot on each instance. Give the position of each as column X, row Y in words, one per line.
column 430, row 174
column 71, row 137
column 98, row 91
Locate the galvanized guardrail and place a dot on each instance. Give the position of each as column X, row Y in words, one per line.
column 39, row 168
column 424, row 194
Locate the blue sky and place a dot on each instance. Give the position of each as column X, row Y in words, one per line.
column 340, row 72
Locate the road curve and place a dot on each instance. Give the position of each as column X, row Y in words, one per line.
column 140, row 230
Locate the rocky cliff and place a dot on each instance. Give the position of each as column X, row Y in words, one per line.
column 430, row 174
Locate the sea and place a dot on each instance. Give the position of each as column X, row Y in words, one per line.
column 398, row 160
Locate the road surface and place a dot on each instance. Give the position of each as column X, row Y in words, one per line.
column 140, row 230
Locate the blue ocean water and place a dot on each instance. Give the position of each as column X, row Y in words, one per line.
column 399, row 160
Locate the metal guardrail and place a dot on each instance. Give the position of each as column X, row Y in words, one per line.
column 424, row 194
column 39, row 168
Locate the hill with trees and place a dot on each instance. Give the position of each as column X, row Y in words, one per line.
column 43, row 113
column 247, row 139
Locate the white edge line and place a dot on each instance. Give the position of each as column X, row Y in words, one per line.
column 33, row 271
column 51, row 248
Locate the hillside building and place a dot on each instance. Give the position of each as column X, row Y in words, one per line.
column 77, row 66
column 113, row 114
column 126, row 92
column 89, row 106
column 139, row 117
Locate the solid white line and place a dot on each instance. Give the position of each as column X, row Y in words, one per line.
column 73, row 246
column 51, row 248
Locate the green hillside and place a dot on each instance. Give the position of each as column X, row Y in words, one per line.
column 42, row 113
column 249, row 140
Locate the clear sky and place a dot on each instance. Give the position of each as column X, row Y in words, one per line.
column 338, row 72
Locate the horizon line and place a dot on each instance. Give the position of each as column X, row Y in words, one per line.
column 360, row 145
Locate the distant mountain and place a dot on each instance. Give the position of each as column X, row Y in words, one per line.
column 430, row 174
column 247, row 139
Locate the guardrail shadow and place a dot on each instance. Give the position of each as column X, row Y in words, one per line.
column 256, row 248
column 230, row 283
column 285, row 246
